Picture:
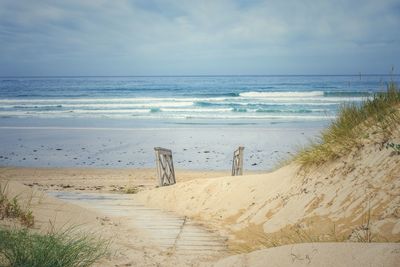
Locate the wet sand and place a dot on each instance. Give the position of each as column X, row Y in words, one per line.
column 200, row 148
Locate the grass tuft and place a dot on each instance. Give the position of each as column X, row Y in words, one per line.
column 12, row 209
column 19, row 247
column 131, row 190
column 381, row 113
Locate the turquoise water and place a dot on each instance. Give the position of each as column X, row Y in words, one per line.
column 197, row 99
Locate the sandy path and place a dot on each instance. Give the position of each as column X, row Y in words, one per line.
column 171, row 233
column 127, row 228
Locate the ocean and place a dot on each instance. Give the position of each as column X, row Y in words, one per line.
column 198, row 99
column 115, row 122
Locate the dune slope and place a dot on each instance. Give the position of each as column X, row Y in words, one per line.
column 355, row 197
column 319, row 254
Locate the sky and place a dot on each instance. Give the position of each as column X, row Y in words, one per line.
column 216, row 37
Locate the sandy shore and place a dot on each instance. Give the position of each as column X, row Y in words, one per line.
column 131, row 246
column 97, row 180
column 199, row 148
column 348, row 199
column 351, row 201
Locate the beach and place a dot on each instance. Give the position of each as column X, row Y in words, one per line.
column 115, row 122
column 96, row 180
column 202, row 148
column 212, row 205
column 199, row 133
column 132, row 245
column 88, row 163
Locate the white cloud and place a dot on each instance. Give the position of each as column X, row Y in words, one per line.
column 197, row 37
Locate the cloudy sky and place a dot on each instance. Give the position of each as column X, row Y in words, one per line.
column 178, row 37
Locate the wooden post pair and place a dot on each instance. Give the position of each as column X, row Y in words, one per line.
column 165, row 165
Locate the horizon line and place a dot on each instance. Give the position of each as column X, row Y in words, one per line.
column 195, row 75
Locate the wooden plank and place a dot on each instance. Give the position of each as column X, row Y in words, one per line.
column 165, row 166
column 237, row 164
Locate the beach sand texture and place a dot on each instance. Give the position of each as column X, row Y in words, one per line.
column 96, row 180
column 132, row 244
column 132, row 247
column 341, row 196
column 318, row 215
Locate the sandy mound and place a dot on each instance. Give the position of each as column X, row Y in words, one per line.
column 356, row 198
column 319, row 254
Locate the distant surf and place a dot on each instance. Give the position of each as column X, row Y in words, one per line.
column 290, row 98
column 281, row 94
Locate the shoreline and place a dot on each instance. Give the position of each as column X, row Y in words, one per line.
column 116, row 180
column 194, row 148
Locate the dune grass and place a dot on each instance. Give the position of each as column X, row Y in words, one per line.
column 10, row 208
column 19, row 247
column 381, row 113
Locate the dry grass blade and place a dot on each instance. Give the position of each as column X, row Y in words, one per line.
column 345, row 133
column 12, row 209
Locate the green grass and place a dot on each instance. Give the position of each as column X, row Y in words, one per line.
column 23, row 248
column 380, row 113
column 12, row 209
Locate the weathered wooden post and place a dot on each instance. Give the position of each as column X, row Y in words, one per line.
column 237, row 164
column 165, row 166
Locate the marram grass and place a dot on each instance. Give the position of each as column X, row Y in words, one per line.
column 19, row 247
column 379, row 113
column 12, row 209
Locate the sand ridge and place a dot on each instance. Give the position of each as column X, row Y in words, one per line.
column 348, row 199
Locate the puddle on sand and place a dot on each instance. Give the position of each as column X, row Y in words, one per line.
column 165, row 229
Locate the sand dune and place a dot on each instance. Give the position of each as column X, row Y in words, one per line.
column 131, row 247
column 354, row 198
column 289, row 217
column 319, row 254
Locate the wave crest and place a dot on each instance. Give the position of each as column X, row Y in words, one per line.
column 281, row 94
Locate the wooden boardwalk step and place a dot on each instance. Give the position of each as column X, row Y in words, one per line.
column 165, row 229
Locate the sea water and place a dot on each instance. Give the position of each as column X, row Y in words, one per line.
column 203, row 99
column 116, row 121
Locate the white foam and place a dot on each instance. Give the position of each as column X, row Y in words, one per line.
column 300, row 100
column 112, row 111
column 131, row 105
column 146, row 114
column 281, row 94
column 196, row 109
column 110, row 100
column 255, row 116
column 180, row 107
